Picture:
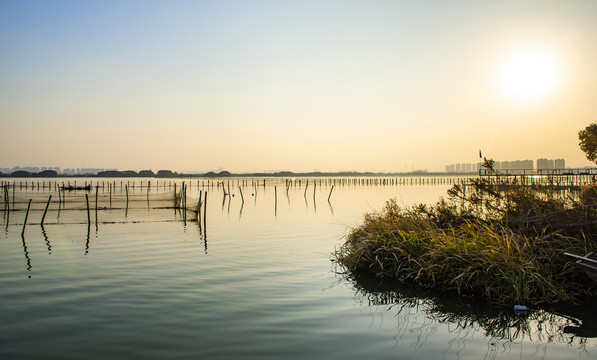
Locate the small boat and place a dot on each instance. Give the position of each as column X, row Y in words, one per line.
column 69, row 188
column 588, row 263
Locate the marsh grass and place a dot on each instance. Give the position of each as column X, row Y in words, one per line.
column 504, row 243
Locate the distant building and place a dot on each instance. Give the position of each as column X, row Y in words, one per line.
column 521, row 165
column 462, row 168
column 545, row 164
column 502, row 166
column 515, row 166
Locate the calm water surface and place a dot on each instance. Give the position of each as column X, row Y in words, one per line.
column 253, row 281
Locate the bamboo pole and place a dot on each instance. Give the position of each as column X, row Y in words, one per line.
column 199, row 203
column 184, row 194
column 45, row 211
column 330, row 195
column 6, row 198
column 88, row 215
column 96, row 190
column 175, row 195
column 276, row 202
column 26, row 216
column 205, row 207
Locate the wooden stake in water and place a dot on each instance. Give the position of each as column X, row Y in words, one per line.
column 45, row 211
column 88, row 215
column 199, row 204
column 184, row 199
column 6, row 199
column 276, row 202
column 96, row 188
column 330, row 195
column 26, row 216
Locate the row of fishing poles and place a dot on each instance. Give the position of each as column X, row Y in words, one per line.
column 240, row 182
column 564, row 179
column 255, row 186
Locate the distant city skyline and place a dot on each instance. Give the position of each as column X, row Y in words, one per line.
column 538, row 164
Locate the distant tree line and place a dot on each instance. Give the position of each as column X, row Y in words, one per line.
column 211, row 174
column 23, row 173
column 107, row 173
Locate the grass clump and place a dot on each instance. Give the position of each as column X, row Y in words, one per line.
column 503, row 243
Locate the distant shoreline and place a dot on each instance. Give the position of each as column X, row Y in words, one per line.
column 223, row 174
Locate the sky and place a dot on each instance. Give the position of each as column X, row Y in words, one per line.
column 294, row 85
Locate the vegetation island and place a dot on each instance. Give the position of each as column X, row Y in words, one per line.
column 498, row 238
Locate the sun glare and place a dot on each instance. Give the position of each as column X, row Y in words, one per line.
column 529, row 76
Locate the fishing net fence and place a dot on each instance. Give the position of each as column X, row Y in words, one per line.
column 56, row 202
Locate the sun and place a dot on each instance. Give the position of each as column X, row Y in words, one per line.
column 529, row 75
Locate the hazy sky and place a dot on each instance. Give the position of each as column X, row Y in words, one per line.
column 294, row 85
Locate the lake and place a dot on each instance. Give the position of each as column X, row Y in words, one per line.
column 252, row 279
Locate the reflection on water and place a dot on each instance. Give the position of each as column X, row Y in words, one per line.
column 87, row 241
column 202, row 229
column 45, row 234
column 26, row 253
column 7, row 220
column 503, row 328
